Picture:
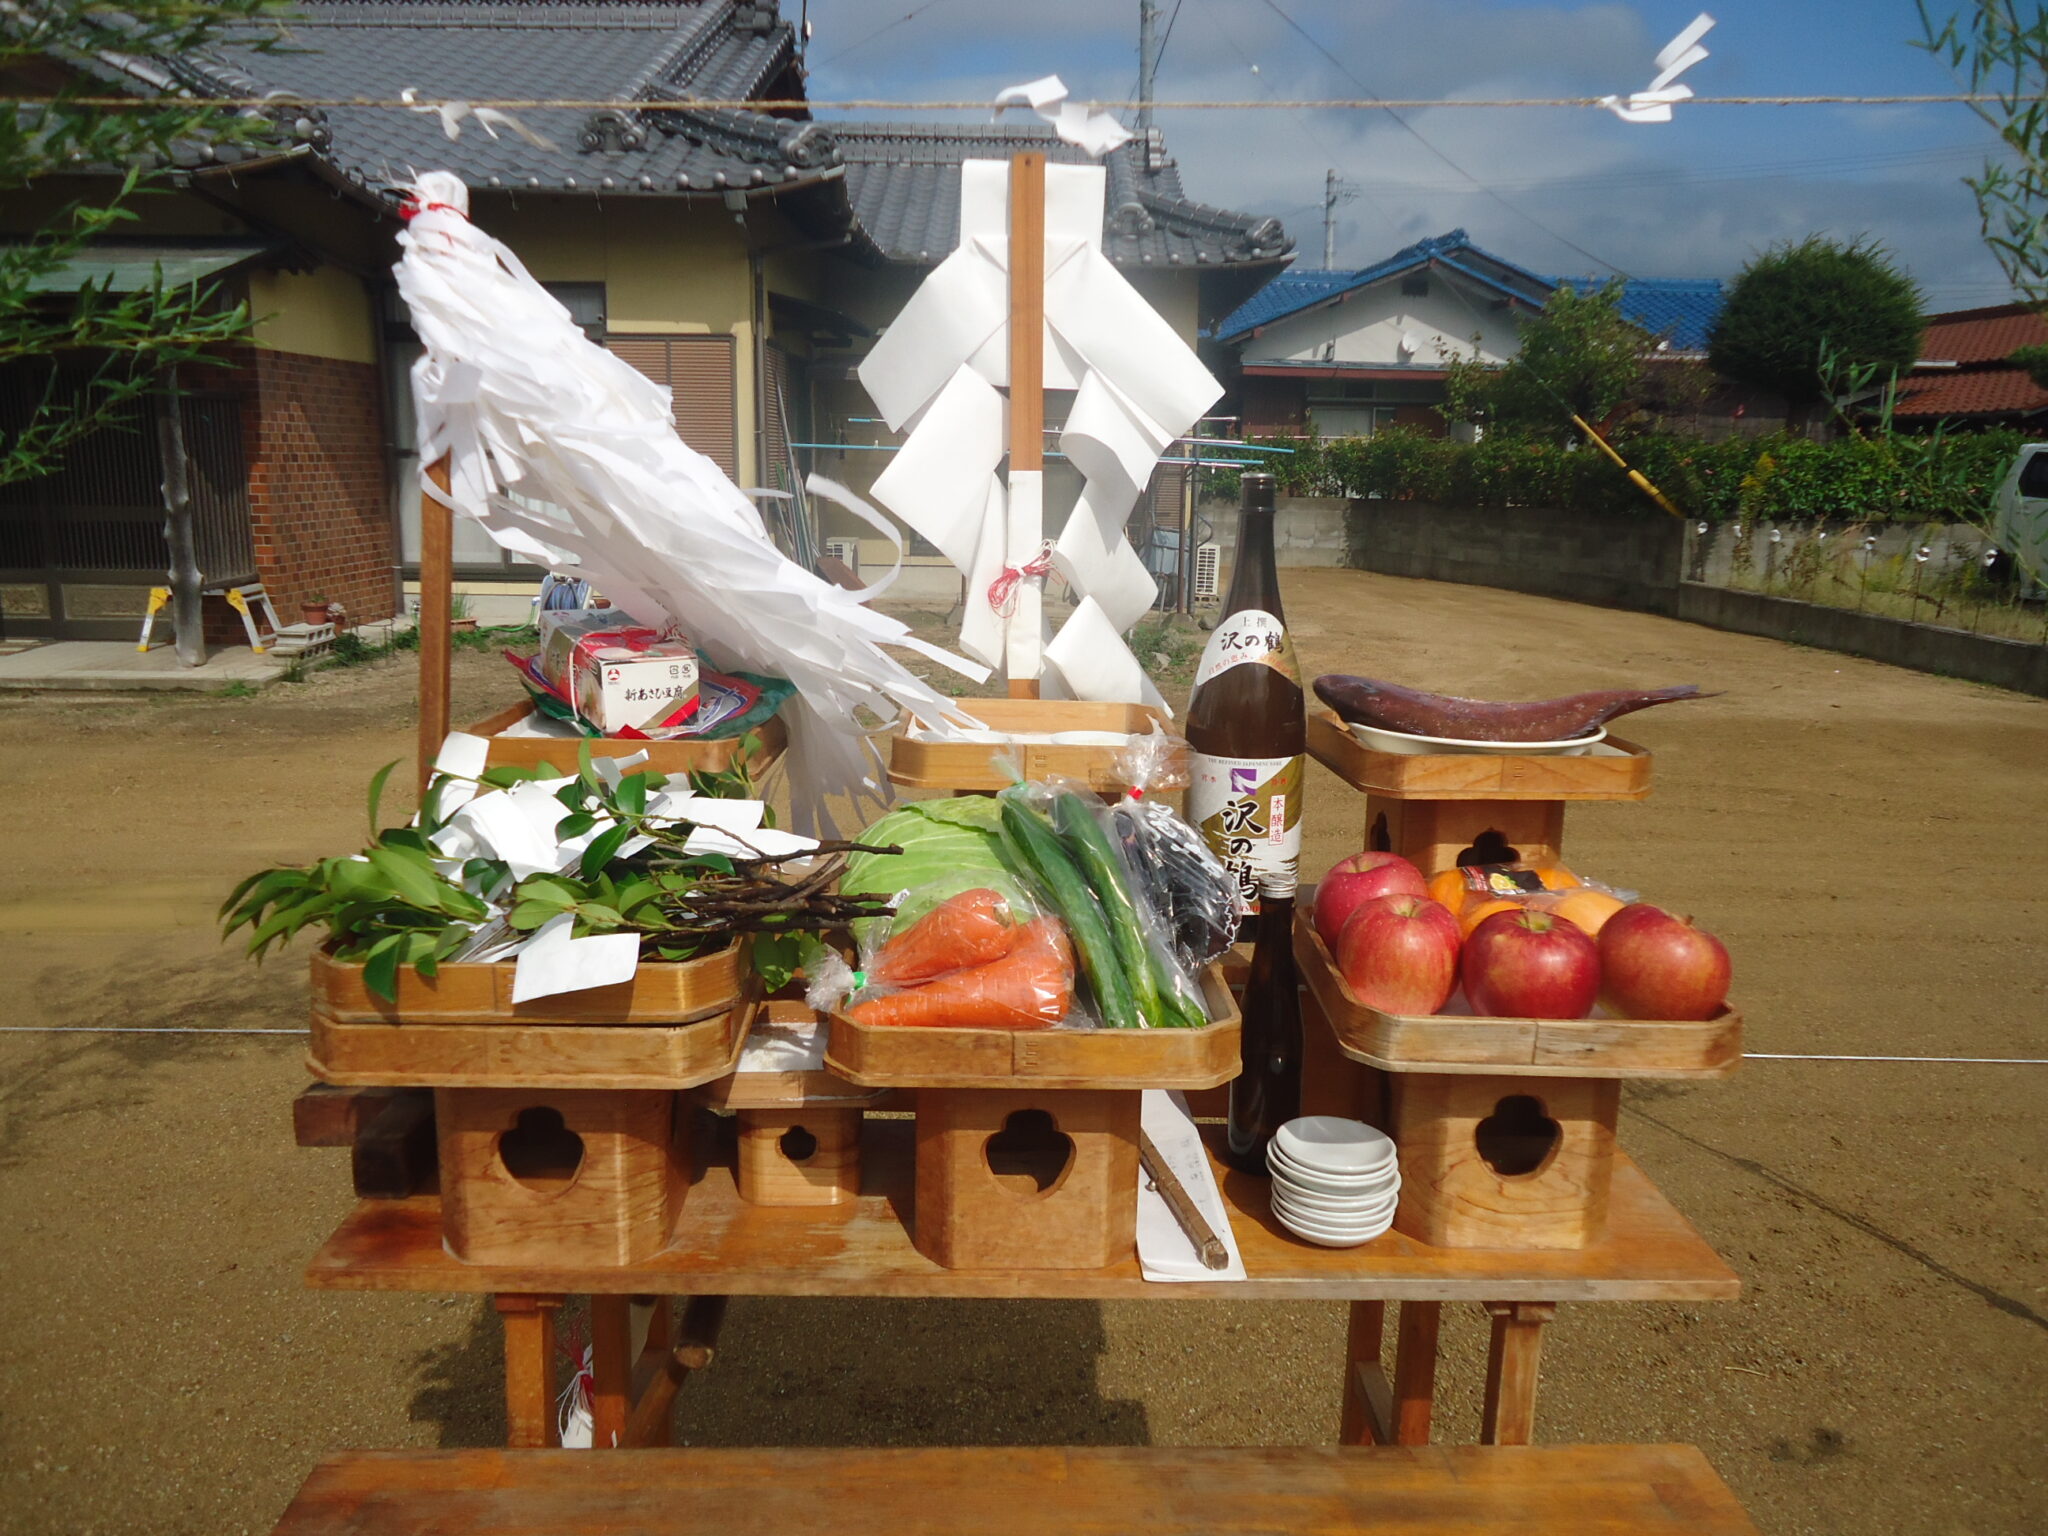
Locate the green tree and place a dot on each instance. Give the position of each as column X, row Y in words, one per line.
column 1580, row 356
column 1999, row 49
column 1801, row 313
column 90, row 351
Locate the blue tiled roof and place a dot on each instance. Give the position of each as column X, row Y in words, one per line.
column 1682, row 308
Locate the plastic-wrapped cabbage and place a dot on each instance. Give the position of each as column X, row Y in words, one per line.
column 949, row 846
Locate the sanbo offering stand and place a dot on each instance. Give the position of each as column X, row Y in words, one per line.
column 1506, row 1127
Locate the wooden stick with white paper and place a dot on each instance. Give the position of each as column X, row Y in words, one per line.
column 1025, row 523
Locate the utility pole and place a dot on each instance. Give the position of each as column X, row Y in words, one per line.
column 1330, row 220
column 1148, row 62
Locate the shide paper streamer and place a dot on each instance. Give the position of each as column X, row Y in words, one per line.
column 568, row 457
column 1678, row 55
column 936, row 373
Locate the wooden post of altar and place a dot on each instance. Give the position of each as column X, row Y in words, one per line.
column 437, row 589
column 1026, row 520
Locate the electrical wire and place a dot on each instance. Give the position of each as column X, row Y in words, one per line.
column 833, row 58
column 1416, row 134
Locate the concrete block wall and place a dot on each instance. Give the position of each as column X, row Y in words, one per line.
column 1587, row 557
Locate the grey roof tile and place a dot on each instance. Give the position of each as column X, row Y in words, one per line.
column 895, row 185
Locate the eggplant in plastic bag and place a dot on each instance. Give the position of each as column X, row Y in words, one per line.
column 1185, row 882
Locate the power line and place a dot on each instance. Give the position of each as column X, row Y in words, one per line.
column 1416, row 134
column 833, row 58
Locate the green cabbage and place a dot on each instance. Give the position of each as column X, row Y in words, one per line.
column 949, row 846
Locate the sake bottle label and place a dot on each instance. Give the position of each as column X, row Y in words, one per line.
column 1250, row 634
column 1249, row 809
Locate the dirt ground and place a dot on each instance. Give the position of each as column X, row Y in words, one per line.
column 1867, row 840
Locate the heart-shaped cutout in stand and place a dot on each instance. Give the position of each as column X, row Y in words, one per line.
column 540, row 1151
column 1518, row 1138
column 1030, row 1155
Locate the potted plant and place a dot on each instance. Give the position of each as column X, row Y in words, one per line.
column 460, row 618
column 314, row 610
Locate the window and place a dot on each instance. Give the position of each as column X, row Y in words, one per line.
column 2034, row 476
column 699, row 373
column 585, row 303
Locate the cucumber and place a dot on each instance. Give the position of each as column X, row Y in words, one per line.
column 1082, row 838
column 1074, row 904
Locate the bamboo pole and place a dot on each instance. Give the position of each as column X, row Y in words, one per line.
column 1027, row 415
column 437, row 595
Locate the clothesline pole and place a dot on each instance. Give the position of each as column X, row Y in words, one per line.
column 1026, row 518
column 437, row 588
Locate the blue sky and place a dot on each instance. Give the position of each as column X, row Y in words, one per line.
column 1693, row 198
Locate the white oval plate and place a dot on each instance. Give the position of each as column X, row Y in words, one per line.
column 1325, row 1238
column 1333, row 1144
column 1317, row 1206
column 1429, row 746
column 1339, row 1183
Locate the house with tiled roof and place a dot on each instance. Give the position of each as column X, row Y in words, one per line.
column 1965, row 375
column 744, row 258
column 1348, row 353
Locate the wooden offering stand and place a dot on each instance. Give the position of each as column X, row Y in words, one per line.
column 799, row 1131
column 970, row 767
column 1473, row 808
column 1027, row 1140
column 675, row 758
column 1506, row 1127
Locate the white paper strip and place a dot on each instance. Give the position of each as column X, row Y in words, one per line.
column 554, row 962
column 1165, row 1252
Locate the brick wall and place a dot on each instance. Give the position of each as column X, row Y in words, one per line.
column 319, row 493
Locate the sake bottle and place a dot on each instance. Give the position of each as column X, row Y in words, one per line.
column 1246, row 729
column 1266, row 1093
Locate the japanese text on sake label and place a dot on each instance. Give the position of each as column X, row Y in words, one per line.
column 1249, row 809
column 1250, row 634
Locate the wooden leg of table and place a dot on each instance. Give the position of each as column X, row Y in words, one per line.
column 649, row 1424
column 1368, row 1400
column 1511, row 1361
column 529, row 1370
column 611, row 1370
column 1415, row 1371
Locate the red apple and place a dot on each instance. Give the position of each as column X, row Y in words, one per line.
column 1399, row 954
column 1355, row 881
column 1657, row 966
column 1530, row 965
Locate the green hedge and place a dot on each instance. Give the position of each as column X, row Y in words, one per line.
column 1877, row 479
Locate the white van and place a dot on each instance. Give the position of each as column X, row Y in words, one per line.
column 2020, row 519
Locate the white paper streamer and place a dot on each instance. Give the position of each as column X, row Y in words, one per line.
column 1677, row 56
column 1096, row 132
column 934, row 373
column 556, row 445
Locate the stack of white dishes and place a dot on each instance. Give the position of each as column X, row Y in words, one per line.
column 1335, row 1181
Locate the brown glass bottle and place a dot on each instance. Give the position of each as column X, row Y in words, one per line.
column 1245, row 724
column 1266, row 1094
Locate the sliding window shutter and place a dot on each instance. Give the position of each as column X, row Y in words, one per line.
column 699, row 371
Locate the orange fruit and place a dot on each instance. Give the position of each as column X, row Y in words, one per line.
column 1479, row 911
column 1448, row 889
column 1587, row 909
column 1556, row 877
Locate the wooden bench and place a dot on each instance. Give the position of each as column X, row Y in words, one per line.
column 1552, row 1490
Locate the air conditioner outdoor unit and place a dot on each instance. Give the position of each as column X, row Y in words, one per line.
column 1208, row 570
column 846, row 551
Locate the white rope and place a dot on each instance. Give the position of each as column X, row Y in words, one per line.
column 767, row 104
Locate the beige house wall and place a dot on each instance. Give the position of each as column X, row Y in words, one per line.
column 323, row 313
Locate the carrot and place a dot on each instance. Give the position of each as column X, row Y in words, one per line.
column 1029, row 988
column 972, row 928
